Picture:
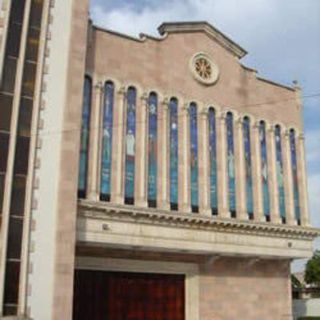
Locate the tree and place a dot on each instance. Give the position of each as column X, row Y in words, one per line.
column 312, row 274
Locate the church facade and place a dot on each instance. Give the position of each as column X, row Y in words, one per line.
column 144, row 178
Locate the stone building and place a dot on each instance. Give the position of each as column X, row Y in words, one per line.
column 143, row 178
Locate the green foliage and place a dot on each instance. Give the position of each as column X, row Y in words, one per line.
column 309, row 318
column 312, row 274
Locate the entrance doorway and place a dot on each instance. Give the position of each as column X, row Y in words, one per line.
column 102, row 295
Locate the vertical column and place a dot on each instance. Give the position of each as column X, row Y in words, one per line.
column 302, row 181
column 141, row 152
column 204, row 163
column 163, row 156
column 223, row 210
column 55, row 233
column 95, row 143
column 272, row 174
column 288, row 181
column 184, row 158
column 240, row 171
column 256, row 173
column 117, row 165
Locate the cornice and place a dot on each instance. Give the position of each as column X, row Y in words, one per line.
column 276, row 83
column 203, row 26
column 102, row 210
column 142, row 36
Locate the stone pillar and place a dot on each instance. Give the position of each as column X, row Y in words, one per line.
column 256, row 173
column 288, row 181
column 272, row 176
column 184, row 186
column 203, row 164
column 117, row 176
column 240, row 170
column 94, row 154
column 140, row 182
column 222, row 176
column 163, row 201
column 302, row 181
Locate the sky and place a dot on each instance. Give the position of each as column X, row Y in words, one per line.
column 282, row 38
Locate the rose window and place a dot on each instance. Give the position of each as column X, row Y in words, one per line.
column 204, row 69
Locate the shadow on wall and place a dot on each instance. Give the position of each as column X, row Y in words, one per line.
column 306, row 309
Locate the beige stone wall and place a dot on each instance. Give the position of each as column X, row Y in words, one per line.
column 232, row 288
column 164, row 64
column 70, row 146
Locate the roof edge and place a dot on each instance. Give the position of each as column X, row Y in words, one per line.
column 116, row 33
column 276, row 83
column 204, row 26
column 141, row 38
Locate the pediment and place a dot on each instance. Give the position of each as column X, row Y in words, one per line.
column 208, row 29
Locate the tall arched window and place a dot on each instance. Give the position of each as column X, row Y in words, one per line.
column 264, row 169
column 84, row 142
column 173, row 137
column 213, row 160
column 130, row 145
column 230, row 165
column 279, row 166
column 152, row 149
column 193, row 118
column 294, row 169
column 248, row 165
column 105, row 182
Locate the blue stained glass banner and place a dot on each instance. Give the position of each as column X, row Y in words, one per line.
column 130, row 143
column 230, row 163
column 152, row 147
column 213, row 158
column 85, row 123
column 279, row 170
column 107, row 139
column 193, row 154
column 248, row 166
column 82, row 171
column 294, row 174
column 264, row 169
column 173, row 107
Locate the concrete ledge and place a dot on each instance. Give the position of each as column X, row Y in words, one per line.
column 128, row 228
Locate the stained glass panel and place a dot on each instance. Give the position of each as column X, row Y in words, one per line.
column 107, row 141
column 130, row 144
column 213, row 160
column 173, row 107
column 230, row 163
column 248, row 165
column 294, row 169
column 279, row 166
column 193, row 156
column 264, row 168
column 152, row 148
column 82, row 182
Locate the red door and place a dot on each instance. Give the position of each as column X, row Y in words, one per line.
column 128, row 296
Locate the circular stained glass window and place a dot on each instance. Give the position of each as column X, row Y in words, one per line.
column 204, row 69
